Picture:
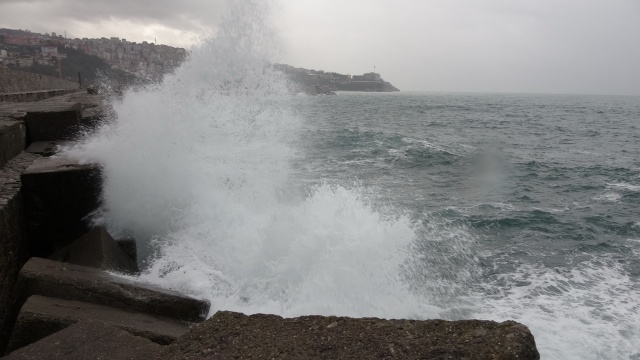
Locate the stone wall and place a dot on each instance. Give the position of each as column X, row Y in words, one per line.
column 13, row 240
column 14, row 81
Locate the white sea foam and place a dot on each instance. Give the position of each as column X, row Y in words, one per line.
column 587, row 312
column 609, row 197
column 624, row 186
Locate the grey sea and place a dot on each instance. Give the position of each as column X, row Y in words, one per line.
column 528, row 205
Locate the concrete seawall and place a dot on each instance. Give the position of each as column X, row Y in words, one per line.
column 18, row 86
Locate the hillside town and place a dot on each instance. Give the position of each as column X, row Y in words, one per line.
column 23, row 49
column 74, row 58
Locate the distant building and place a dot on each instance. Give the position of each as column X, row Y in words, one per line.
column 118, row 53
column 49, row 51
column 367, row 77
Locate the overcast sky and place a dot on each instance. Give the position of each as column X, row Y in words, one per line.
column 548, row 46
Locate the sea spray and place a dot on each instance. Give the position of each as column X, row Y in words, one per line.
column 223, row 106
column 197, row 168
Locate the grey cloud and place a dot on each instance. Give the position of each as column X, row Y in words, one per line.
column 563, row 46
column 188, row 15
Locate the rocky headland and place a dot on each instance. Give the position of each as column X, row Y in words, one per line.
column 318, row 82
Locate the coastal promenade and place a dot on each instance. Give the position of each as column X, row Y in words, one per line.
column 64, row 295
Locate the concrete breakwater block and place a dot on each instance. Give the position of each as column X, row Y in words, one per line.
column 12, row 140
column 88, row 341
column 53, row 121
column 97, row 249
column 229, row 335
column 46, row 148
column 59, row 195
column 42, row 316
column 13, row 236
column 129, row 246
column 74, row 282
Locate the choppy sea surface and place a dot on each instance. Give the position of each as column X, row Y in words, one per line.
column 529, row 204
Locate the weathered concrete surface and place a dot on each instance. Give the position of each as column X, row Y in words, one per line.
column 42, row 316
column 88, row 341
column 12, row 140
column 14, row 81
column 13, row 238
column 229, row 335
column 59, row 195
column 97, row 249
column 74, row 282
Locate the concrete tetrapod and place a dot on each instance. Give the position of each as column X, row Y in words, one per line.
column 42, row 316
column 81, row 283
column 59, row 195
column 53, row 121
column 97, row 249
column 88, row 341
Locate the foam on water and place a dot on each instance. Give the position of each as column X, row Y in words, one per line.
column 197, row 168
column 609, row 197
column 589, row 311
column 625, row 186
column 328, row 253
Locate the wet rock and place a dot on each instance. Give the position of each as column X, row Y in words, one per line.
column 88, row 341
column 229, row 335
column 42, row 316
column 74, row 282
column 97, row 249
column 59, row 195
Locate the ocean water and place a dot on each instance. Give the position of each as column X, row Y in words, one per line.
column 400, row 205
column 531, row 203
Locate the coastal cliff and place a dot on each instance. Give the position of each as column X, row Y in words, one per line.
column 371, row 86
